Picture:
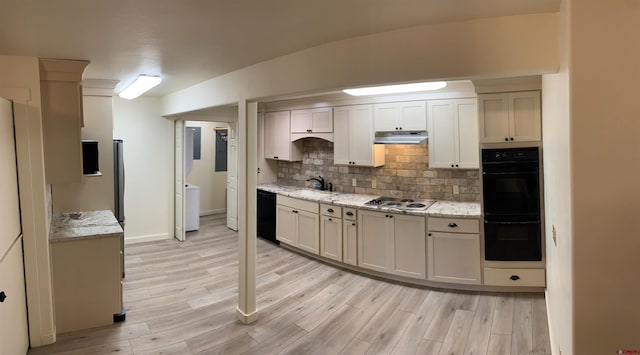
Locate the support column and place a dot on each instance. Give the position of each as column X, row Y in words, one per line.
column 246, row 310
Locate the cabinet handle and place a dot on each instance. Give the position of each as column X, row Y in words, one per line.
column 353, row 224
column 400, row 128
column 515, row 277
column 457, row 165
column 349, row 213
column 294, row 211
column 506, row 139
column 429, row 234
column 3, row 296
column 330, row 220
column 390, row 216
column 511, row 138
column 452, row 225
column 276, row 157
column 330, row 210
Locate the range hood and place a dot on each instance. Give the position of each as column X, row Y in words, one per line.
column 400, row 137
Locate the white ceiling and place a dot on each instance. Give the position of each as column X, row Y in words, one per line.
column 189, row 41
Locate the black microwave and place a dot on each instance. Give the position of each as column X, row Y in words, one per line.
column 90, row 157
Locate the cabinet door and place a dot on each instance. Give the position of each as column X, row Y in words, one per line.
column 341, row 119
column 301, row 121
column 286, row 225
column 308, row 231
column 277, row 143
column 349, row 242
column 13, row 311
column 331, row 238
column 413, row 116
column 524, row 116
column 374, row 229
column 441, row 133
column 468, row 148
column 494, row 118
column 408, row 246
column 454, row 257
column 386, row 117
column 361, row 135
column 322, row 120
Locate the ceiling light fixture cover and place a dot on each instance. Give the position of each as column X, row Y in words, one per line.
column 396, row 89
column 141, row 85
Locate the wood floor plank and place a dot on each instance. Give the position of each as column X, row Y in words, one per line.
column 521, row 337
column 429, row 347
column 391, row 334
column 345, row 313
column 503, row 315
column 499, row 344
column 480, row 333
column 458, row 334
column 416, row 330
column 539, row 323
column 441, row 322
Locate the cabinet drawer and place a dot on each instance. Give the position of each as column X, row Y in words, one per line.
column 514, row 277
column 331, row 210
column 298, row 204
column 454, row 225
column 349, row 214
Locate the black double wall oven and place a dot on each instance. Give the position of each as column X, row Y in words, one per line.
column 511, row 202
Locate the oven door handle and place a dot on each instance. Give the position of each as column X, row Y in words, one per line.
column 519, row 172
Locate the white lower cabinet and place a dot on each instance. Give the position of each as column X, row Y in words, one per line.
column 331, row 232
column 392, row 243
column 298, row 223
column 349, row 236
column 454, row 250
column 514, row 277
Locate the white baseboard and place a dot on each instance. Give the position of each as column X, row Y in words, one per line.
column 147, row 238
column 210, row 212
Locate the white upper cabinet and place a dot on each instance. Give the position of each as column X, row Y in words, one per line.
column 277, row 140
column 400, row 116
column 510, row 117
column 317, row 120
column 453, row 133
column 354, row 137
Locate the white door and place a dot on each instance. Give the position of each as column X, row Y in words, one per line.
column 232, row 177
column 13, row 309
column 361, row 140
column 179, row 207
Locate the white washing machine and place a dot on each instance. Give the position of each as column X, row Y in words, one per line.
column 192, row 208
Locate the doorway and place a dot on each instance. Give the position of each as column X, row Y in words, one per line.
column 199, row 139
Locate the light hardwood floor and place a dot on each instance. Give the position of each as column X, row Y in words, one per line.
column 181, row 299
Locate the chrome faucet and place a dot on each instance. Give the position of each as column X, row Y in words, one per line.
column 319, row 182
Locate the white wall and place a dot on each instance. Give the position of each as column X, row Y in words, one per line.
column 148, row 164
column 213, row 185
column 605, row 163
column 93, row 193
column 20, row 82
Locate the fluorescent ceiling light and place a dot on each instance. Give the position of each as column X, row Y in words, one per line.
column 396, row 89
column 141, row 85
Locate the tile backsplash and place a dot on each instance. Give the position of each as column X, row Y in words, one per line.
column 406, row 173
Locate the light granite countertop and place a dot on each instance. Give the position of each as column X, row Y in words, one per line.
column 84, row 225
column 437, row 209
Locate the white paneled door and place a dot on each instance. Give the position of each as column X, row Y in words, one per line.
column 179, row 207
column 13, row 309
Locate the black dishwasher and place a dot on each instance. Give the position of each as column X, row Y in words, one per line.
column 267, row 216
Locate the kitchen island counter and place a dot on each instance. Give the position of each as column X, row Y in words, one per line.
column 81, row 225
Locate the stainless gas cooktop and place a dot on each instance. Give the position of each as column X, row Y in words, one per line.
column 402, row 204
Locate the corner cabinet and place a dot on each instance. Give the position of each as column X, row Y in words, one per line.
column 510, row 117
column 277, row 137
column 454, row 250
column 353, row 137
column 400, row 116
column 453, row 133
column 393, row 243
column 298, row 223
column 61, row 101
